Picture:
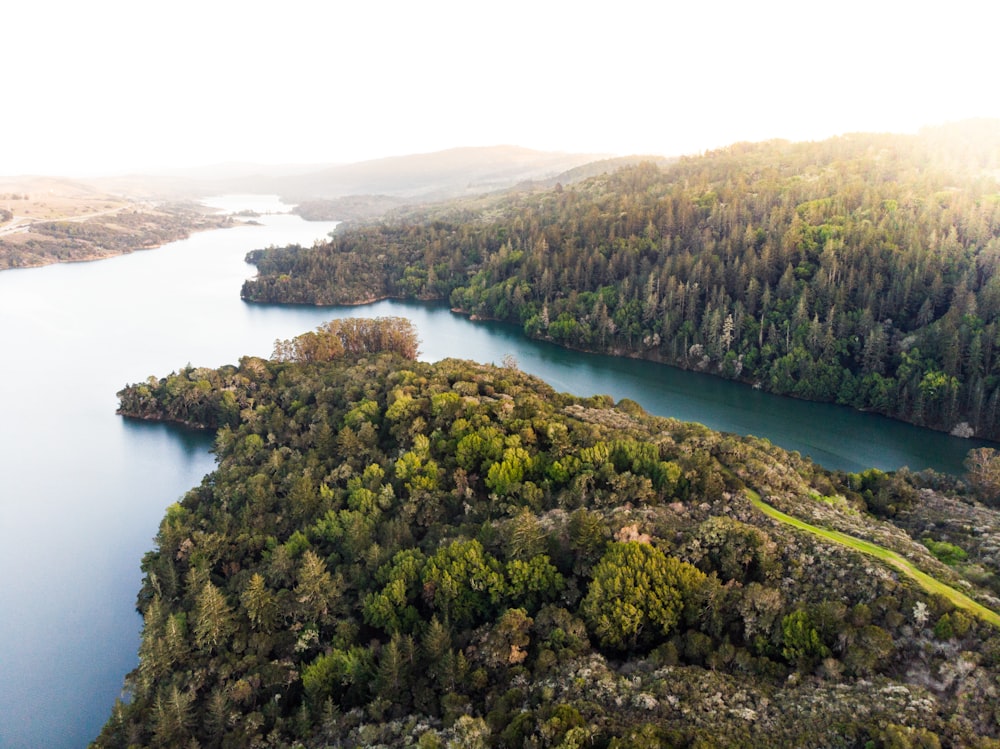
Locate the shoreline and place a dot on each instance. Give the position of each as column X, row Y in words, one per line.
column 633, row 355
column 40, row 259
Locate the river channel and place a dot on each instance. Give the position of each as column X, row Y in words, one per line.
column 82, row 490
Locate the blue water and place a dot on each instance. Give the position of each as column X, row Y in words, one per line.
column 82, row 490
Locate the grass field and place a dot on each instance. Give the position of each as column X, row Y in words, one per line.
column 888, row 556
column 53, row 198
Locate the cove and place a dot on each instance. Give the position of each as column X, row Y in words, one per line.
column 82, row 491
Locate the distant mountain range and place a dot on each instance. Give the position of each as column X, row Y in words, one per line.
column 419, row 177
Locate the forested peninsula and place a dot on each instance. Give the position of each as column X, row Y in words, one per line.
column 396, row 553
column 860, row 270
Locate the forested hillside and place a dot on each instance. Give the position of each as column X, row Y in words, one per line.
column 396, row 553
column 860, row 270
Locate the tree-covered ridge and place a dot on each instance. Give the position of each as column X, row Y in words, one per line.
column 205, row 398
column 860, row 270
column 407, row 554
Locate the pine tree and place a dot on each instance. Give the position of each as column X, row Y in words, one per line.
column 260, row 604
column 214, row 621
column 317, row 590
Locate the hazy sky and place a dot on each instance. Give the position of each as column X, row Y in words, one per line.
column 104, row 86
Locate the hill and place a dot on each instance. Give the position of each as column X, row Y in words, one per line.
column 360, row 208
column 414, row 178
column 48, row 220
column 397, row 553
column 859, row 270
column 434, row 176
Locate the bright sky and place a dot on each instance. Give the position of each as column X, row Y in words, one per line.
column 107, row 86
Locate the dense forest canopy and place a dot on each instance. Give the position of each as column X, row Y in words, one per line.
column 860, row 270
column 397, row 553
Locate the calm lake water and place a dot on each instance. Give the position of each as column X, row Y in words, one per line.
column 82, row 490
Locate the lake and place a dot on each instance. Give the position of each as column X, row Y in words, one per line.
column 82, row 490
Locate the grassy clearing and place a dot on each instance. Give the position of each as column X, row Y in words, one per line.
column 927, row 582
